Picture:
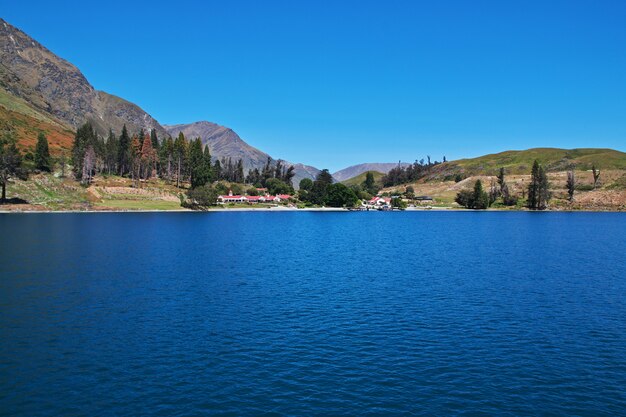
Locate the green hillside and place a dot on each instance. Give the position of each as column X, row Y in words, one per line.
column 520, row 162
column 358, row 180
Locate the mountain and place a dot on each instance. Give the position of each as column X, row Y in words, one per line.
column 53, row 87
column 40, row 91
column 354, row 170
column 520, row 162
column 224, row 142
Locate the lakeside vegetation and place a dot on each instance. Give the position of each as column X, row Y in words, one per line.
column 144, row 172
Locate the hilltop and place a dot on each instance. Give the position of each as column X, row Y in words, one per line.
column 359, row 179
column 520, row 162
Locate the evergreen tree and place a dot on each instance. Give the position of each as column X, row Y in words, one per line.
column 42, row 154
column 217, row 170
column 480, row 199
column 123, row 152
column 166, row 156
column 180, row 154
column 154, row 139
column 84, row 140
column 207, row 171
column 111, row 153
column 533, row 188
column 196, row 163
column 544, row 189
column 10, row 162
column 538, row 189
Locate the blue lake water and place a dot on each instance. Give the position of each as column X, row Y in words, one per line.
column 304, row 313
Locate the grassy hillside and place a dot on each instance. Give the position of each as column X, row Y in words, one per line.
column 18, row 116
column 49, row 192
column 520, row 162
column 361, row 177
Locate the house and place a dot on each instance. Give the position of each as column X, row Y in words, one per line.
column 253, row 199
column 230, row 198
column 282, row 197
column 378, row 202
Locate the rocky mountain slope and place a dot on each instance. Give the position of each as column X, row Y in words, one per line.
column 354, row 170
column 56, row 88
column 40, row 91
column 224, row 142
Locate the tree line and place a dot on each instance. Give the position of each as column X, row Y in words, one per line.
column 410, row 173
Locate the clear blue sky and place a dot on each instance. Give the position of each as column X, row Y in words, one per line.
column 335, row 83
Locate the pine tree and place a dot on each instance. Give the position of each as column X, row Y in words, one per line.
column 544, row 189
column 155, row 140
column 480, row 199
column 538, row 189
column 110, row 158
column 533, row 187
column 196, row 163
column 84, row 139
column 10, row 162
column 166, row 155
column 123, row 152
column 180, row 154
column 217, row 170
column 207, row 171
column 42, row 154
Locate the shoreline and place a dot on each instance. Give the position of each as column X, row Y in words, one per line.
column 308, row 209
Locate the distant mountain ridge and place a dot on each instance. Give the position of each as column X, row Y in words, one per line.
column 355, row 170
column 224, row 142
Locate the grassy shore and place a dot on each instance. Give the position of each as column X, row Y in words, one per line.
column 50, row 193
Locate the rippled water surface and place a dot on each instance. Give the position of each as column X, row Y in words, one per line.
column 313, row 314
